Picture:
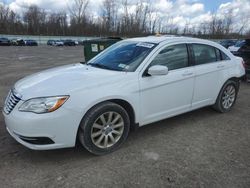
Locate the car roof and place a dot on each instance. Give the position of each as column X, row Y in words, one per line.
column 177, row 39
column 167, row 38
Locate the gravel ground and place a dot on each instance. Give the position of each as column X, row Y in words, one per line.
column 198, row 149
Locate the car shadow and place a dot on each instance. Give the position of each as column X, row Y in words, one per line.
column 19, row 152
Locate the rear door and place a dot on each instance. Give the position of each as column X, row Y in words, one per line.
column 209, row 68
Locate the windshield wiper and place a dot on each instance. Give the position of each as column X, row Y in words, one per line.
column 101, row 66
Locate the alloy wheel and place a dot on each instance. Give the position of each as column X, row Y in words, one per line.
column 228, row 96
column 107, row 129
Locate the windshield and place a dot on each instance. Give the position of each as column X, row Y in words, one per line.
column 240, row 43
column 123, row 56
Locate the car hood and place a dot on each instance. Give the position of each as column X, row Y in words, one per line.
column 65, row 79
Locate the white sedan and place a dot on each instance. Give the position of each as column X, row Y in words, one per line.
column 57, row 43
column 132, row 83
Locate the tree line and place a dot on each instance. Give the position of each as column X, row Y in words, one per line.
column 115, row 19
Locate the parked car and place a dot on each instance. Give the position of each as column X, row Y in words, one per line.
column 17, row 42
column 50, row 42
column 4, row 42
column 69, row 42
column 58, row 43
column 242, row 49
column 31, row 43
column 237, row 46
column 80, row 42
column 76, row 42
column 227, row 43
column 132, row 83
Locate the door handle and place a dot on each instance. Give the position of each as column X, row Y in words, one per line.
column 220, row 66
column 187, row 74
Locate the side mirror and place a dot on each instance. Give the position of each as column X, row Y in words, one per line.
column 158, row 70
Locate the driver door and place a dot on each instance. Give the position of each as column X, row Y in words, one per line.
column 167, row 95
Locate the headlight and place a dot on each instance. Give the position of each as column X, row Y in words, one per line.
column 43, row 104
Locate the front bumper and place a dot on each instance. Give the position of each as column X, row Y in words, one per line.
column 53, row 130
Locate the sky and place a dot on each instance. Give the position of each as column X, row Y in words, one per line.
column 213, row 5
column 210, row 5
column 193, row 12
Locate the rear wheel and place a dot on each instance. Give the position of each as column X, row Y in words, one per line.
column 104, row 128
column 227, row 96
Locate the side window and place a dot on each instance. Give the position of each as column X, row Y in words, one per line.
column 224, row 56
column 221, row 55
column 174, row 57
column 204, row 54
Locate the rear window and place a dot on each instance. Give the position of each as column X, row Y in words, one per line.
column 224, row 56
column 221, row 55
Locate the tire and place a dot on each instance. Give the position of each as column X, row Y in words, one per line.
column 227, row 96
column 104, row 128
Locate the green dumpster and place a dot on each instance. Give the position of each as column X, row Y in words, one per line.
column 94, row 47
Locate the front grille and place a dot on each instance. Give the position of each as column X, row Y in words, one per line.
column 11, row 102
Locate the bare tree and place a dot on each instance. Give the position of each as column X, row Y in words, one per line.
column 217, row 26
column 35, row 19
column 109, row 15
column 228, row 19
column 78, row 10
column 4, row 14
column 243, row 22
column 125, row 18
column 57, row 24
column 121, row 17
column 186, row 30
column 154, row 22
column 204, row 28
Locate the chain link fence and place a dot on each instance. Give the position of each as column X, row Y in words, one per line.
column 43, row 39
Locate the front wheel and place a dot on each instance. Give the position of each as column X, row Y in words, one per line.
column 227, row 96
column 104, row 128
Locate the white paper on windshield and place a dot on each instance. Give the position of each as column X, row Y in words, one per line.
column 94, row 47
column 122, row 65
column 144, row 44
column 127, row 67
